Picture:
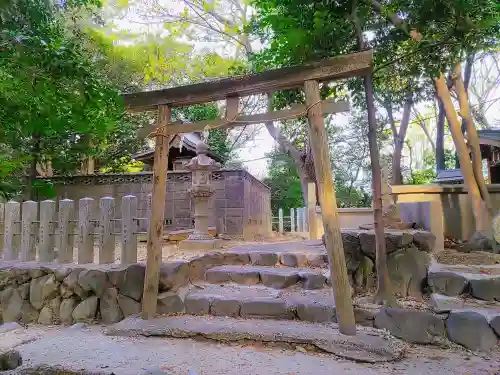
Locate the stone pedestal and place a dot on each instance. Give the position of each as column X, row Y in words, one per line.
column 201, row 192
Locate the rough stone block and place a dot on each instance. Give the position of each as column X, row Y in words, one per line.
column 197, row 304
column 279, row 278
column 263, row 259
column 110, row 309
column 447, row 283
column 317, row 259
column 293, row 259
column 352, row 249
column 169, row 303
column 313, row 311
column 95, row 281
column 470, row 329
column 408, row 271
column 86, row 310
column 245, row 276
column 173, row 275
column 312, row 280
column 236, row 258
column 495, row 324
column 50, row 312
column 394, row 240
column 131, row 282
column 442, row 303
column 487, row 288
column 225, row 307
column 265, row 307
column 217, row 275
column 71, row 281
column 425, row 241
column 128, row 306
column 418, row 327
column 66, row 310
column 10, row 360
column 43, row 289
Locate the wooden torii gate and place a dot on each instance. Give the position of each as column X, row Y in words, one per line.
column 231, row 89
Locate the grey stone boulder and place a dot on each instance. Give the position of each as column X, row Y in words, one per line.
column 236, row 258
column 495, row 324
column 95, row 281
column 128, row 306
column 245, row 276
column 293, row 259
column 263, row 259
column 197, row 304
column 447, row 282
column 218, row 275
column 417, row 327
column 487, row 288
column 109, row 307
column 15, row 309
column 198, row 265
column 86, row 310
column 352, row 249
column 10, row 360
column 312, row 280
column 442, row 303
column 169, row 303
column 470, row 329
column 71, row 283
column 24, row 291
column 66, row 310
column 408, row 271
column 131, row 282
column 314, row 311
column 317, row 259
column 394, row 240
column 49, row 314
column 225, row 307
column 43, row 289
column 279, row 278
column 265, row 307
column 425, row 241
column 173, row 275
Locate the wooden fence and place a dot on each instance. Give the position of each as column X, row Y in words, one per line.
column 296, row 221
column 32, row 231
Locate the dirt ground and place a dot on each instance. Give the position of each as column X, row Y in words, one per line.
column 451, row 256
column 87, row 349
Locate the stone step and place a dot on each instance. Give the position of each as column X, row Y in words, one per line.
column 258, row 301
column 273, row 277
column 368, row 345
column 480, row 281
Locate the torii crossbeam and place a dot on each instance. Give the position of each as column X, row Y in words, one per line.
column 231, row 89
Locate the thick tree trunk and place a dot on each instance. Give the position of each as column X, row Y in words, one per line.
column 478, row 206
column 399, row 137
column 33, row 173
column 440, row 159
column 472, row 137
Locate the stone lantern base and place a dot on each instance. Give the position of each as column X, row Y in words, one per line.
column 200, row 245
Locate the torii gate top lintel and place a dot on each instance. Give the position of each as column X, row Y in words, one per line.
column 343, row 66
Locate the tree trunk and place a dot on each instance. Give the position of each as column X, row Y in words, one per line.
column 35, row 153
column 472, row 137
column 383, row 294
column 397, row 176
column 478, row 206
column 440, row 159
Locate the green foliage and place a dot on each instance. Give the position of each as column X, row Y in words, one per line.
column 425, row 176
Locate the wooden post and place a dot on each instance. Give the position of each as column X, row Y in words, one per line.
column 311, row 210
column 28, row 211
column 106, row 225
column 299, row 219
column 292, row 220
column 85, row 238
column 327, row 199
column 46, row 245
column 129, row 229
column 280, row 220
column 155, row 232
column 10, row 243
column 64, row 241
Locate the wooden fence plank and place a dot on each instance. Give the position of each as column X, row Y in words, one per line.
column 64, row 240
column 106, row 225
column 280, row 221
column 46, row 244
column 299, row 219
column 85, row 226
column 10, row 240
column 292, row 220
column 28, row 214
column 129, row 227
column 305, row 223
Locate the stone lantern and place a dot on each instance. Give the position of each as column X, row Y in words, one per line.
column 201, row 192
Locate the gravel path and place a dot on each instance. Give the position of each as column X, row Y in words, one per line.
column 88, row 349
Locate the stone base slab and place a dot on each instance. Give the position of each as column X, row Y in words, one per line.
column 199, row 244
